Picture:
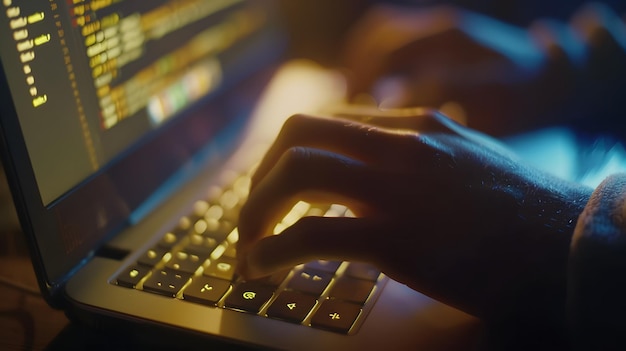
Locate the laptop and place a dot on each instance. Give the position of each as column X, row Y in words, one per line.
column 129, row 130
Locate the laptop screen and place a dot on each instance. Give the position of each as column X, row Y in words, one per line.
column 91, row 78
column 111, row 98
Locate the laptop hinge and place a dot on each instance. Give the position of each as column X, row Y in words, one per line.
column 110, row 252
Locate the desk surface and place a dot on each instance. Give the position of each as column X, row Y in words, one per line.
column 26, row 321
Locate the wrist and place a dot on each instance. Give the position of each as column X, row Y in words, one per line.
column 545, row 215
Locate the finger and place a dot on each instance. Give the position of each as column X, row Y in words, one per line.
column 364, row 142
column 364, row 56
column 392, row 41
column 309, row 175
column 328, row 238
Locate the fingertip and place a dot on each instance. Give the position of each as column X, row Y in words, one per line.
column 242, row 267
column 251, row 267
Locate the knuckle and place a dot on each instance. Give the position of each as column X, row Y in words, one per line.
column 296, row 159
column 295, row 155
column 295, row 122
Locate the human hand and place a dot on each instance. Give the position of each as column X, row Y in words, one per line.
column 438, row 206
column 496, row 77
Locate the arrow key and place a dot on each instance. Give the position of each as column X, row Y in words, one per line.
column 291, row 306
column 310, row 281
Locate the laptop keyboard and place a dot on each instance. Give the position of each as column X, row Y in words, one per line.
column 196, row 262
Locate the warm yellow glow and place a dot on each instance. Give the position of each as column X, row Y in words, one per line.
column 27, row 56
column 18, row 23
column 184, row 223
column 218, row 252
column 229, row 199
column 279, row 228
column 13, row 12
column 20, row 34
column 151, row 254
column 25, row 45
column 300, row 86
column 36, row 17
column 214, row 212
column 212, row 224
column 200, row 207
column 336, row 211
column 200, row 226
column 38, row 101
column 167, row 257
column 316, row 212
column 42, row 39
column 298, row 210
column 242, row 186
column 233, row 237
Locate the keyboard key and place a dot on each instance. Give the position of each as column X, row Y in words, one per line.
column 292, row 306
column 171, row 238
column 323, row 265
column 231, row 251
column 132, row 275
column 165, row 282
column 206, row 290
column 229, row 202
column 351, row 289
column 223, row 268
column 219, row 230
column 336, row 316
column 200, row 226
column 199, row 209
column 215, row 212
column 310, row 281
column 249, row 296
column 151, row 257
column 185, row 262
column 201, row 245
column 363, row 271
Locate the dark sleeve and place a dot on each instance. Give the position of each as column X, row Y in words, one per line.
column 597, row 270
